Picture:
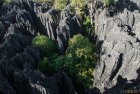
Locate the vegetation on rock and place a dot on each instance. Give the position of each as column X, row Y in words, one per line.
column 79, row 59
column 108, row 2
column 60, row 4
column 87, row 25
column 79, row 6
column 46, row 44
column 81, row 51
column 7, row 1
column 77, row 62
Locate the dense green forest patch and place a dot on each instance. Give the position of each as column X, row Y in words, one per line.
column 77, row 62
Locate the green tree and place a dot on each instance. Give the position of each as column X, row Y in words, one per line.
column 60, row 4
column 46, row 44
column 80, row 59
column 49, row 49
column 79, row 6
column 77, row 62
column 48, row 65
column 43, row 64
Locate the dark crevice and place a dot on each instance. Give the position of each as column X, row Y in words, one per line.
column 137, row 40
column 109, row 55
column 130, row 5
column 118, row 66
column 111, row 11
column 1, row 92
column 103, row 70
column 98, row 5
column 127, row 29
column 130, row 43
column 119, row 6
column 98, row 49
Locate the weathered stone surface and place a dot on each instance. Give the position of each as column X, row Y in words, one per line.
column 20, row 21
column 69, row 25
column 119, row 56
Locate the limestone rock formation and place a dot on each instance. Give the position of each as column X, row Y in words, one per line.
column 118, row 35
column 20, row 21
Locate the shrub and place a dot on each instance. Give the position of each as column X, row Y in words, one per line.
column 77, row 62
column 48, row 66
column 46, row 44
column 60, row 4
column 42, row 65
column 79, row 6
column 108, row 2
column 78, row 3
column 80, row 59
column 82, row 49
column 87, row 26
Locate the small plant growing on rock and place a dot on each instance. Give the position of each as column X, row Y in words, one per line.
column 60, row 4
column 79, row 6
column 108, row 2
column 87, row 25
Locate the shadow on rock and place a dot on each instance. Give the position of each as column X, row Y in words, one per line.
column 124, row 86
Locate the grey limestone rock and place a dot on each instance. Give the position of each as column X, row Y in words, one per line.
column 20, row 21
column 119, row 55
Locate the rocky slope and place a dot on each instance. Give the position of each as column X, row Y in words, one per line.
column 20, row 21
column 118, row 33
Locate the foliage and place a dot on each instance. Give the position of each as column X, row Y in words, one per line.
column 48, row 64
column 46, row 44
column 42, row 65
column 77, row 62
column 87, row 25
column 87, row 21
column 108, row 2
column 79, row 6
column 60, row 4
column 80, row 59
column 7, row 1
column 78, row 3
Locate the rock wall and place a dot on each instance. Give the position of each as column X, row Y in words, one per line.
column 20, row 21
column 118, row 33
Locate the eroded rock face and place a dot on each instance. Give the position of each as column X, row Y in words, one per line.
column 20, row 21
column 119, row 61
